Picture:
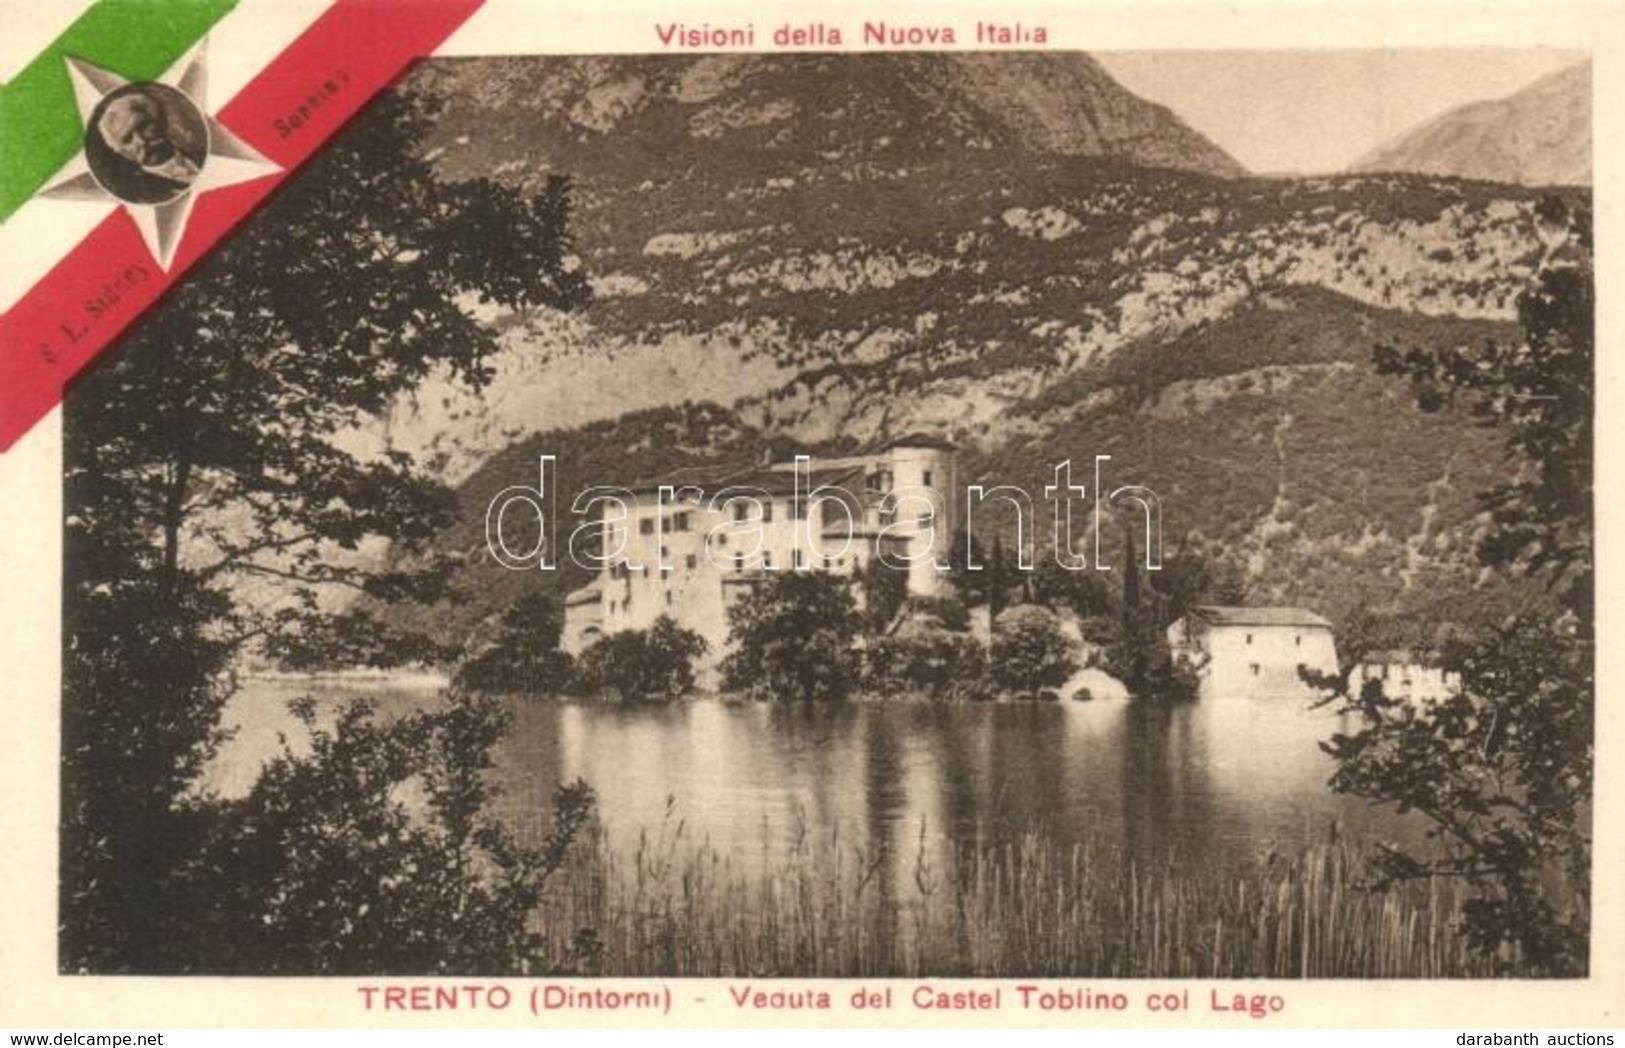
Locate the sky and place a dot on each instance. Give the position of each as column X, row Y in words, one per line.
column 1309, row 111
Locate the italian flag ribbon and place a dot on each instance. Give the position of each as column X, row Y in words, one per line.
column 82, row 254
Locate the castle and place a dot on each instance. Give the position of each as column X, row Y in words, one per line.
column 692, row 543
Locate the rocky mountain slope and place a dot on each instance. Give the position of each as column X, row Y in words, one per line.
column 773, row 110
column 829, row 249
column 1539, row 136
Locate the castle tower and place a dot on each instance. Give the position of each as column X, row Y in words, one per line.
column 923, row 481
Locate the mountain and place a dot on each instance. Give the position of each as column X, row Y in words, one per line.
column 828, row 250
column 1267, row 435
column 814, row 108
column 1539, row 136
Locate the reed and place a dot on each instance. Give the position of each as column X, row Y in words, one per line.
column 824, row 906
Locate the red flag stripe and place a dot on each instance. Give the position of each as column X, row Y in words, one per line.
column 321, row 80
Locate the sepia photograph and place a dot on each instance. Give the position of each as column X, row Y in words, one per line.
column 1000, row 514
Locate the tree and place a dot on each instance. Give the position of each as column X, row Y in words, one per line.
column 524, row 655
column 1002, row 573
column 643, row 665
column 949, row 613
column 1541, row 393
column 792, row 639
column 143, row 685
column 325, row 868
column 1502, row 769
column 1080, row 593
column 1029, row 652
column 1135, row 647
column 1136, row 652
column 934, row 662
column 214, row 449
column 963, row 551
column 1131, row 578
column 1188, row 579
column 885, row 588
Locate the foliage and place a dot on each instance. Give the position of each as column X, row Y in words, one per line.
column 1188, row 579
column 1079, row 593
column 1029, row 651
column 948, row 612
column 792, row 639
column 1503, row 768
column 203, row 459
column 1244, row 474
column 1136, row 652
column 985, row 576
column 932, row 662
column 143, row 686
column 642, row 665
column 1540, row 392
column 884, row 589
column 964, row 550
column 216, row 415
column 374, row 853
column 524, row 654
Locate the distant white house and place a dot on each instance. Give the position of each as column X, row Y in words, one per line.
column 1405, row 675
column 1254, row 651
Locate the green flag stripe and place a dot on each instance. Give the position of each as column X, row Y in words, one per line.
column 39, row 123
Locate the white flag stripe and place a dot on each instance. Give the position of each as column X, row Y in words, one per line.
column 30, row 28
column 243, row 43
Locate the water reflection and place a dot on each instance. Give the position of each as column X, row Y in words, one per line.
column 1209, row 785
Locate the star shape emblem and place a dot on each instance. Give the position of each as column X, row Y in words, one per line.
column 152, row 146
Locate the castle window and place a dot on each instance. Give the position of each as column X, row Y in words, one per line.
column 1255, row 669
column 739, row 561
column 1298, row 640
column 679, row 522
column 741, row 509
column 925, row 478
column 1249, row 638
column 691, row 562
column 798, row 509
column 767, row 512
column 668, row 598
column 878, row 482
column 795, row 559
column 767, row 561
column 646, row 526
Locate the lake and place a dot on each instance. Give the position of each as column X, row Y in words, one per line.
column 1217, row 784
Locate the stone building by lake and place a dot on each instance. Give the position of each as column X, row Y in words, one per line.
column 1254, row 651
column 1406, row 675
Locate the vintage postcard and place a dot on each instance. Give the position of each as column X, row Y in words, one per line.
column 823, row 515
